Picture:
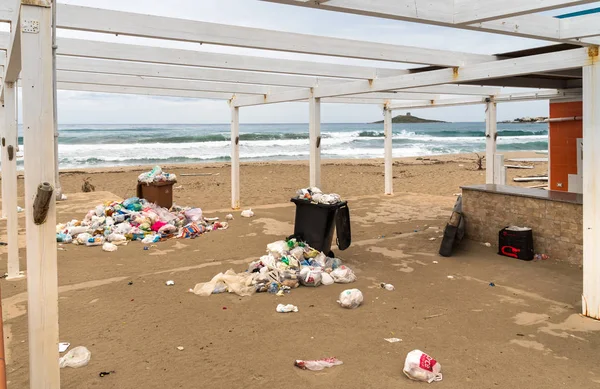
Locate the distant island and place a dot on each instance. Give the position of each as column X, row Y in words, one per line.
column 539, row 119
column 408, row 118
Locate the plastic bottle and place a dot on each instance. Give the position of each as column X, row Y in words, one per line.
column 389, row 287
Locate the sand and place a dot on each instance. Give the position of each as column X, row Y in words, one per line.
column 524, row 333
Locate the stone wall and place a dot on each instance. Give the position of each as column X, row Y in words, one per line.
column 557, row 226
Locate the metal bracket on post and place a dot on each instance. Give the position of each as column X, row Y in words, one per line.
column 41, row 203
column 31, row 26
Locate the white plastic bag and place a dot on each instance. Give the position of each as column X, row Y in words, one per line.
column 247, row 213
column 343, row 275
column 351, row 298
column 150, row 239
column 77, row 357
column 281, row 308
column 107, row 246
column 318, row 364
column 194, row 214
column 326, row 279
column 310, row 276
column 419, row 366
column 277, row 249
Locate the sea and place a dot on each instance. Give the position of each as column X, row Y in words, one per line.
column 105, row 145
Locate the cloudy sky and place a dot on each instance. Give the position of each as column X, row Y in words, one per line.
column 83, row 107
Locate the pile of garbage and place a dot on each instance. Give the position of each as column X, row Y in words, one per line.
column 287, row 265
column 156, row 175
column 315, row 195
column 116, row 223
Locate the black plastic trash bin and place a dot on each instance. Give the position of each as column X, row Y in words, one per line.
column 315, row 223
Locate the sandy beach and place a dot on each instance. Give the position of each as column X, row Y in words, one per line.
column 117, row 304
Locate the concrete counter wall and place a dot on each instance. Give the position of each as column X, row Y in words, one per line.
column 557, row 221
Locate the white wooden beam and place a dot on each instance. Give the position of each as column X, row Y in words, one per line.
column 580, row 26
column 388, row 146
column 9, row 178
column 164, row 83
column 491, row 134
column 133, row 24
column 13, row 63
column 314, row 129
column 235, row 157
column 82, row 87
column 473, row 11
column 469, row 90
column 591, row 189
column 3, row 159
column 150, row 54
column 8, row 10
column 42, row 288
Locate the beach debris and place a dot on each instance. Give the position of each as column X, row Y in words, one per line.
column 435, row 262
column 178, row 187
column 479, row 161
column 326, row 279
column 107, row 246
column 156, row 175
column 105, row 373
column 170, row 283
column 130, row 283
column 538, row 257
column 432, row 239
column 280, row 293
column 317, row 365
column 450, row 277
column 146, row 248
column 247, row 213
column 350, row 298
column 77, row 357
column 343, row 275
column 392, row 340
column 487, row 244
column 19, row 209
column 419, row 366
column 492, row 284
column 63, row 346
column 180, row 348
column 385, row 286
column 87, row 186
column 433, row 316
column 281, row 308
column 224, row 308
column 3, row 244
column 229, row 217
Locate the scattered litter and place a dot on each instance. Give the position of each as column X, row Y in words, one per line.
column 146, row 248
column 392, row 340
column 107, row 246
column 315, row 195
column 229, row 217
column 350, row 298
column 326, row 279
column 105, row 373
column 432, row 239
column 279, row 293
column 3, row 244
column 156, row 175
column 433, row 316
column 63, row 346
column 170, row 283
column 450, row 277
column 492, row 284
column 318, row 364
column 389, row 287
column 247, row 213
column 286, row 308
column 343, row 275
column 538, row 257
column 77, row 357
column 487, row 244
column 520, row 334
column 419, row 366
column 224, row 308
column 457, row 194
column 19, row 209
column 435, row 262
column 130, row 283
column 178, row 187
column 180, row 348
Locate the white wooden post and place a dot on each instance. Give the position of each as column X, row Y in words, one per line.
column 38, row 131
column 235, row 157
column 3, row 159
column 591, row 191
column 314, row 129
column 388, row 134
column 499, row 170
column 9, row 176
column 490, row 140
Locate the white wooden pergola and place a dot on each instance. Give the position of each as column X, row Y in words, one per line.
column 562, row 71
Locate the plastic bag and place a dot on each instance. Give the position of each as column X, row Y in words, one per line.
column 419, row 366
column 109, row 247
column 247, row 213
column 281, row 308
column 194, row 214
column 318, row 364
column 116, row 238
column 77, row 357
column 326, row 279
column 343, row 275
column 151, row 239
column 83, row 238
column 95, row 241
column 240, row 284
column 310, row 276
column 277, row 249
column 351, row 298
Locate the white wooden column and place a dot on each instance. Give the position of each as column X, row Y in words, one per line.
column 314, row 129
column 499, row 170
column 490, row 140
column 235, row 157
column 9, row 176
column 591, row 191
column 388, row 134
column 3, row 159
column 38, row 131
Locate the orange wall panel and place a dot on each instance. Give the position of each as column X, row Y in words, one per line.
column 563, row 143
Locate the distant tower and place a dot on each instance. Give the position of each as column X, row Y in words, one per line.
column 408, row 114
